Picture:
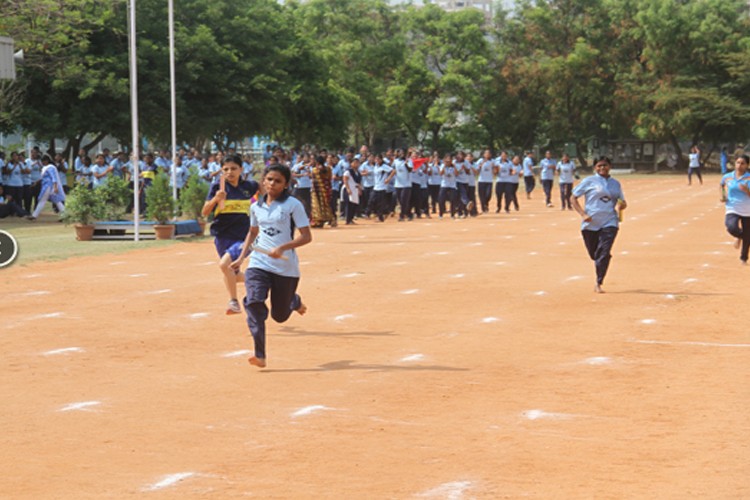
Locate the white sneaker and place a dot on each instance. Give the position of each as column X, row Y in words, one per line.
column 233, row 307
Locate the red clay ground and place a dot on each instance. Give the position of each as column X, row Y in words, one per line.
column 439, row 359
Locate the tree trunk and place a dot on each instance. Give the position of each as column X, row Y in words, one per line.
column 51, row 150
column 581, row 153
column 96, row 141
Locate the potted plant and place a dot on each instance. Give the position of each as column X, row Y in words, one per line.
column 160, row 207
column 192, row 198
column 82, row 207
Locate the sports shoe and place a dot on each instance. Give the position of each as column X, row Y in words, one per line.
column 233, row 307
column 470, row 206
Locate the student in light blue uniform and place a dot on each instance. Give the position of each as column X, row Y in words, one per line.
column 83, row 172
column 383, row 173
column 14, row 179
column 433, row 181
column 418, row 167
column 403, row 184
column 603, row 197
column 367, row 169
column 566, row 170
column 473, row 171
column 26, row 177
column 462, row 184
column 735, row 192
column 486, row 166
column 35, row 164
column 181, row 174
column 547, row 175
column 273, row 221
column 503, row 167
column 302, row 174
column 511, row 195
column 528, row 173
column 337, row 176
column 694, row 167
column 448, row 175
column 62, row 171
column 118, row 164
column 100, row 171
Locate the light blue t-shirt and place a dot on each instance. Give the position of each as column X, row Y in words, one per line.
column 738, row 201
column 417, row 176
column 547, row 168
column 448, row 177
column 403, row 173
column 433, row 174
column 601, row 196
column 528, row 167
column 566, row 172
column 503, row 170
column 473, row 169
column 276, row 223
column 368, row 174
column 461, row 175
column 338, row 171
column 36, row 169
column 695, row 160
column 63, row 176
column 98, row 181
column 486, row 168
column 26, row 173
column 14, row 178
column 181, row 174
column 381, row 174
column 514, row 171
column 302, row 169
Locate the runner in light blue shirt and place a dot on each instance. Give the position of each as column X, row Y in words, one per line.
column 566, row 169
column 603, row 198
column 735, row 192
column 547, row 176
column 274, row 265
column 528, row 173
column 448, row 186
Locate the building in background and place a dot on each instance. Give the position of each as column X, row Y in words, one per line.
column 453, row 5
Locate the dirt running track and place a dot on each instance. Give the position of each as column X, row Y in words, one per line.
column 439, row 359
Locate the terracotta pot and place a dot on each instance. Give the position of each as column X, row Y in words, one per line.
column 202, row 224
column 164, row 232
column 84, row 232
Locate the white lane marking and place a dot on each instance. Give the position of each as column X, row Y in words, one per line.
column 207, row 263
column 533, row 253
column 669, row 296
column 32, row 276
column 573, row 278
column 140, row 275
column 47, row 315
column 692, row 343
column 117, row 263
column 342, row 317
column 410, row 292
column 169, row 480
column 476, row 244
column 500, row 263
column 236, row 354
column 540, row 293
column 413, row 357
column 36, row 293
column 357, row 252
column 307, row 410
column 490, row 319
column 199, row 315
column 597, row 361
column 441, row 253
column 64, row 350
column 159, row 292
column 648, row 321
column 539, row 414
column 624, row 252
column 459, row 275
column 691, row 280
column 351, row 275
column 83, row 405
column 450, row 491
column 399, row 263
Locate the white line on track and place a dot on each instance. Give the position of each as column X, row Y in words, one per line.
column 688, row 343
column 169, row 480
column 64, row 350
column 308, row 410
column 83, row 406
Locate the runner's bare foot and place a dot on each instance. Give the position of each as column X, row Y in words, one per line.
column 259, row 362
column 737, row 243
column 302, row 309
column 598, row 289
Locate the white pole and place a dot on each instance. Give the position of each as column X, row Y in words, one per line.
column 135, row 158
column 173, row 98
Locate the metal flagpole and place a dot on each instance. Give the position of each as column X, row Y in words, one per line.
column 173, row 98
column 135, row 157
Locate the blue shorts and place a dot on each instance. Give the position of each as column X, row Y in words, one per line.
column 226, row 245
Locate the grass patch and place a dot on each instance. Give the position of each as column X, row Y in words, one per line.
column 49, row 240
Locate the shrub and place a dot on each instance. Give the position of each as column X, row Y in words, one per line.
column 115, row 195
column 82, row 206
column 160, row 205
column 193, row 196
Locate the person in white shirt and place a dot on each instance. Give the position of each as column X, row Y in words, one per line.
column 694, row 167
